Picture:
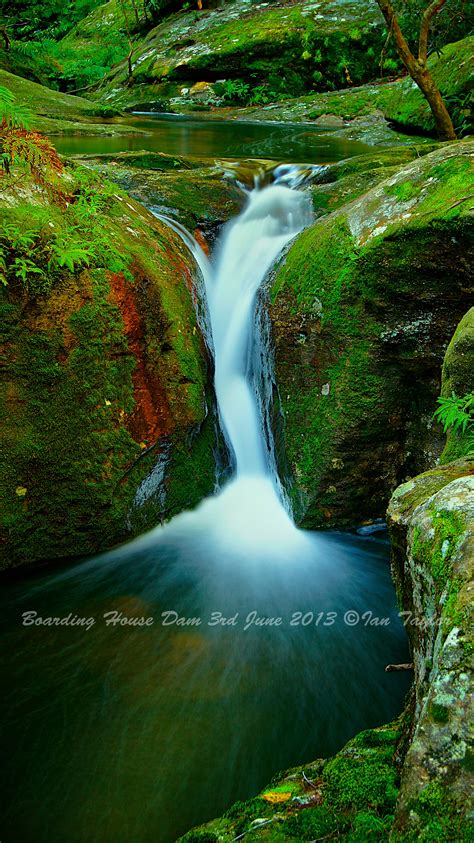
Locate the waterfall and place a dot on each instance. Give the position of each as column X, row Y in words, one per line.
column 250, row 511
column 247, row 250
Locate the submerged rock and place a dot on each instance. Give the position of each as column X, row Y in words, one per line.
column 109, row 421
column 366, row 301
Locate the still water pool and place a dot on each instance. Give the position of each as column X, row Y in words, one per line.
column 219, row 138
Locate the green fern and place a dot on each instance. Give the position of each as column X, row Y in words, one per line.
column 12, row 114
column 456, row 414
column 23, row 267
column 70, row 256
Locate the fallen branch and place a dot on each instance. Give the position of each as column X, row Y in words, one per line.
column 260, row 825
column 406, row 666
column 311, row 784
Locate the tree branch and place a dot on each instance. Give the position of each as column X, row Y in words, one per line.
column 432, row 10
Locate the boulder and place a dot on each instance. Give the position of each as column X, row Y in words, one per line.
column 108, row 417
column 363, row 306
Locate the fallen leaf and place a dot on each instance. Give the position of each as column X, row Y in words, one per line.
column 274, row 797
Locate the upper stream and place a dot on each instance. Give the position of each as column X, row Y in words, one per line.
column 266, row 647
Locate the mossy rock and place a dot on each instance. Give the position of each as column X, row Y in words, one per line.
column 190, row 190
column 431, row 520
column 363, row 306
column 109, row 424
column 345, row 181
column 286, row 48
column 452, row 72
column 56, row 113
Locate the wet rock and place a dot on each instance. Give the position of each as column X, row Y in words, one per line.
column 392, row 273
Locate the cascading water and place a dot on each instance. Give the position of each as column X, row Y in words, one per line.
column 249, row 247
column 249, row 511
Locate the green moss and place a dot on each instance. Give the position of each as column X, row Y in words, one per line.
column 357, row 782
column 437, row 552
column 439, row 712
column 313, row 823
column 405, row 190
column 440, row 815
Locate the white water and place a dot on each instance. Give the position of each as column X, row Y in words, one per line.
column 248, row 513
column 248, row 249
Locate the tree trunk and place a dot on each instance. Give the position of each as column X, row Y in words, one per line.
column 5, row 36
column 417, row 66
column 429, row 89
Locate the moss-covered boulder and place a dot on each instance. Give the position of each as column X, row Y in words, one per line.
column 452, row 71
column 458, row 380
column 363, row 307
column 108, row 425
column 350, row 178
column 431, row 520
column 287, row 49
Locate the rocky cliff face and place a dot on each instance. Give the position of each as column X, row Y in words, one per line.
column 363, row 307
column 105, row 377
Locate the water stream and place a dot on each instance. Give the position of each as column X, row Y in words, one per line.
column 261, row 652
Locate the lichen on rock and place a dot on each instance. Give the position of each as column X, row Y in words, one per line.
column 431, row 519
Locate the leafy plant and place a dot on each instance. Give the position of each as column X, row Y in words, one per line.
column 233, row 90
column 456, row 414
column 27, row 149
column 23, row 267
column 70, row 255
